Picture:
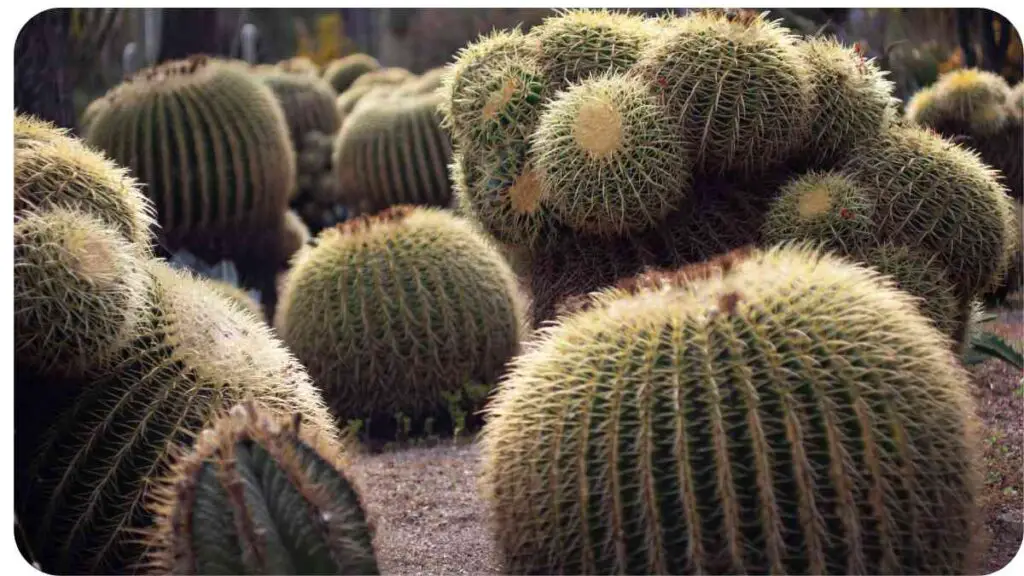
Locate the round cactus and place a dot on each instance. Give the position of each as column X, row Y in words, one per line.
column 795, row 414
column 964, row 101
column 308, row 104
column 738, row 86
column 827, row 208
column 210, row 142
column 341, row 73
column 236, row 296
column 921, row 275
column 30, row 130
column 608, row 158
column 299, row 65
column 852, row 99
column 53, row 170
column 577, row 44
column 78, row 291
column 390, row 312
column 939, row 196
column 394, row 153
column 83, row 478
column 348, row 99
column 427, row 83
column 296, row 233
column 390, row 77
column 298, row 512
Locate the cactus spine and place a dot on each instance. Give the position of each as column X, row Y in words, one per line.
column 260, row 496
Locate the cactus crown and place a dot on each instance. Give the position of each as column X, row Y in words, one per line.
column 258, row 495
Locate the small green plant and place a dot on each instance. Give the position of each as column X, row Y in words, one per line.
column 984, row 345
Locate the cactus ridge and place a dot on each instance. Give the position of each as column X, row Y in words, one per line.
column 78, row 292
column 967, row 101
column 308, row 104
column 795, row 415
column 56, row 171
column 738, row 87
column 391, row 311
column 923, row 276
column 394, row 152
column 86, row 475
column 208, row 140
column 341, row 73
column 259, row 495
column 608, row 158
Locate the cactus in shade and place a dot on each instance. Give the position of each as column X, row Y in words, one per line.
column 388, row 77
column 237, row 296
column 793, row 414
column 299, row 65
column 308, row 104
column 852, row 99
column 738, row 87
column 964, row 101
column 939, row 196
column 591, row 146
column 88, row 447
column 923, row 276
column 392, row 311
column 91, row 111
column 260, row 494
column 341, row 73
column 394, row 153
column 295, row 233
column 576, row 44
column 78, row 291
column 210, row 142
column 54, row 170
column 469, row 82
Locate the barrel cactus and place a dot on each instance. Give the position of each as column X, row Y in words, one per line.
column 923, row 276
column 963, row 101
column 308, row 104
column 78, row 291
column 348, row 99
column 54, row 170
column 737, row 86
column 298, row 513
column 394, row 152
column 391, row 312
column 794, row 414
column 210, row 143
column 390, row 77
column 341, row 73
column 89, row 446
column 302, row 65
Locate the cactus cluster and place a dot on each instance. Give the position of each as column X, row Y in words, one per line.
column 785, row 411
column 341, row 73
column 259, row 494
column 120, row 358
column 395, row 311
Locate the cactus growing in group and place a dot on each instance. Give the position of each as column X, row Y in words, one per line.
column 851, row 98
column 308, row 104
column 259, row 494
column 298, row 65
column 78, row 291
column 738, row 87
column 341, row 73
column 394, row 152
column 210, row 143
column 426, row 83
column 966, row 101
column 236, row 296
column 391, row 311
column 390, row 77
column 591, row 144
column 793, row 414
column 88, row 446
column 347, row 100
column 54, row 170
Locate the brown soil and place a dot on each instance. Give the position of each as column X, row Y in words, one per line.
column 429, row 518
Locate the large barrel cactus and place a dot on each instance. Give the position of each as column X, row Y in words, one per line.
column 392, row 312
column 211, row 145
column 88, row 447
column 308, row 104
column 789, row 413
column 341, row 73
column 297, row 513
column 394, row 152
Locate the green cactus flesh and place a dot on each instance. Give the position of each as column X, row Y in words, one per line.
column 852, row 100
column 78, row 292
column 390, row 312
column 940, row 196
column 82, row 479
column 608, row 157
column 394, row 152
column 211, row 145
column 794, row 415
column 341, row 73
column 52, row 170
column 965, row 101
column 738, row 87
column 577, row 44
column 260, row 495
column 308, row 104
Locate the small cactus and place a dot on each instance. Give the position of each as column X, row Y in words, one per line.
column 260, row 495
column 308, row 104
column 389, row 77
column 341, row 73
column 964, row 101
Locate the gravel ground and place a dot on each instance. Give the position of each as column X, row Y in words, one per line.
column 430, row 520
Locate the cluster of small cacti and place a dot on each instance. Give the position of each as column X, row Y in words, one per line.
column 983, row 112
column 665, row 141
column 121, row 360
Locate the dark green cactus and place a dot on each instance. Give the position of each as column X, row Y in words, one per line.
column 89, row 446
column 210, row 143
column 341, row 73
column 792, row 413
column 308, row 104
column 260, row 495
column 394, row 152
